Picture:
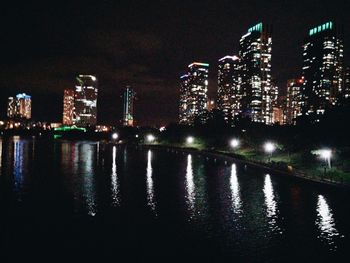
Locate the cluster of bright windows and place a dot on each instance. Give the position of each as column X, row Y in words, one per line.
column 257, row 27
column 320, row 28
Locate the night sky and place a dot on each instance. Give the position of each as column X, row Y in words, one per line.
column 143, row 44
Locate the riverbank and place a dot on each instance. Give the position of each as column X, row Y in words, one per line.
column 272, row 166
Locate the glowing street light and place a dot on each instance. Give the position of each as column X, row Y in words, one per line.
column 150, row 138
column 269, row 148
column 234, row 143
column 326, row 154
column 189, row 140
column 115, row 136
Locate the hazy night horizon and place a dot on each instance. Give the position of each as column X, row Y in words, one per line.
column 144, row 45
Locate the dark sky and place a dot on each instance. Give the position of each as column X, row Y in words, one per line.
column 146, row 44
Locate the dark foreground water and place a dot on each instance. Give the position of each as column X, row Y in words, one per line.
column 87, row 201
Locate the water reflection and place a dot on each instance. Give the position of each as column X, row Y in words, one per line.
column 86, row 156
column 325, row 222
column 0, row 155
column 235, row 195
column 114, row 179
column 150, row 187
column 271, row 205
column 19, row 162
column 190, row 187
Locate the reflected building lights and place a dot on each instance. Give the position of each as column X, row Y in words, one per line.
column 150, row 187
column 18, row 164
column 190, row 187
column 325, row 221
column 88, row 178
column 235, row 195
column 0, row 155
column 271, row 205
column 114, row 179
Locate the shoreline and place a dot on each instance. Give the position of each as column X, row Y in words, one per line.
column 231, row 157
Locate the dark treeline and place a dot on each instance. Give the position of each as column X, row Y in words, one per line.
column 329, row 130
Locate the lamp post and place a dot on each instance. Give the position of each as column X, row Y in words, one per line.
column 189, row 140
column 115, row 136
column 150, row 138
column 326, row 154
column 234, row 143
column 269, row 148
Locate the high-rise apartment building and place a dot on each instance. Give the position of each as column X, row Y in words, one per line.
column 68, row 107
column 346, row 89
column 20, row 106
column 11, row 107
column 294, row 100
column 255, row 54
column 194, row 88
column 229, row 86
column 85, row 101
column 322, row 68
column 128, row 106
column 183, row 103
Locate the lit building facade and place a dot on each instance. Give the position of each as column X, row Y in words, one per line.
column 184, row 95
column 211, row 105
column 68, row 107
column 346, row 89
column 20, row 106
column 195, row 94
column 11, row 107
column 278, row 115
column 85, row 101
column 322, row 68
column 255, row 54
column 294, row 100
column 229, row 86
column 128, row 106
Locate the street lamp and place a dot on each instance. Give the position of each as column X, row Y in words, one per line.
column 234, row 143
column 189, row 140
column 150, row 138
column 326, row 154
column 269, row 148
column 115, row 136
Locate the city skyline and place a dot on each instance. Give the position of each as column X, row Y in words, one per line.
column 150, row 76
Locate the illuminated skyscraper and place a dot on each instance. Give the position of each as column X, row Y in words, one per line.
column 11, row 107
column 294, row 100
column 68, row 107
column 195, row 94
column 346, row 90
column 20, row 106
column 128, row 106
column 255, row 54
column 229, row 88
column 184, row 95
column 85, row 101
column 322, row 68
column 278, row 115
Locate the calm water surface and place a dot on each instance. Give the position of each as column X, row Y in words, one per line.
column 92, row 201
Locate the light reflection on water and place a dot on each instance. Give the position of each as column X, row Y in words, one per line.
column 150, row 188
column 20, row 159
column 235, row 191
column 259, row 195
column 190, row 187
column 325, row 222
column 0, row 155
column 86, row 158
column 271, row 205
column 114, row 179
